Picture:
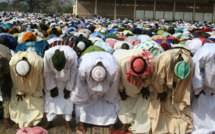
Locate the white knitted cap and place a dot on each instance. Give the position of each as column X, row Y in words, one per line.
column 23, row 68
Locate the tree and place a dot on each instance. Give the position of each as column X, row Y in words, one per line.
column 8, row 4
column 58, row 6
column 68, row 9
column 3, row 6
column 32, row 4
column 45, row 5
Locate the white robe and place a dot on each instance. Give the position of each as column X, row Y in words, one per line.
column 204, row 79
column 65, row 79
column 97, row 102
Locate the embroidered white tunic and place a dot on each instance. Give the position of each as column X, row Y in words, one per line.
column 64, row 79
column 97, row 102
column 204, row 80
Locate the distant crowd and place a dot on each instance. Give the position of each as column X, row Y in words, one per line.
column 150, row 76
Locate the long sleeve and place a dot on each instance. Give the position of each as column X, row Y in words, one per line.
column 80, row 94
column 14, row 77
column 121, row 87
column 33, row 82
column 112, row 96
column 49, row 80
column 71, row 82
column 19, row 92
column 160, row 77
column 197, row 78
column 40, row 80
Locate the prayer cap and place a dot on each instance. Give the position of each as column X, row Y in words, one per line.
column 23, row 67
column 98, row 73
column 58, row 60
column 182, row 70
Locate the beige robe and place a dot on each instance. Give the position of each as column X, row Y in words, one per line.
column 174, row 116
column 134, row 109
column 28, row 112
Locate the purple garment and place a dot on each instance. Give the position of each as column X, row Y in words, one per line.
column 164, row 44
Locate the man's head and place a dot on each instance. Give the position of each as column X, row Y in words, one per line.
column 5, row 41
column 98, row 72
column 28, row 36
column 138, row 65
column 23, row 67
column 81, row 46
column 125, row 46
column 182, row 70
column 140, row 68
column 59, row 60
column 54, row 31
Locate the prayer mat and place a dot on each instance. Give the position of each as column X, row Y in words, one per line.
column 60, row 129
column 129, row 132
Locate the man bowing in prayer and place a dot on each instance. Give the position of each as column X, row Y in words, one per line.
column 136, row 67
column 203, row 105
column 170, row 110
column 5, row 81
column 59, row 75
column 96, row 92
column 27, row 102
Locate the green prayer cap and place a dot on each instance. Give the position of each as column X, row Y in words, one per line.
column 160, row 32
column 92, row 49
column 182, row 43
column 58, row 60
column 182, row 69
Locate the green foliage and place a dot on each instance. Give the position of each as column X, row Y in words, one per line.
column 42, row 6
column 32, row 5
column 67, row 9
column 3, row 6
column 19, row 7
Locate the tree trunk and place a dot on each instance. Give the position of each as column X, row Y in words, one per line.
column 57, row 6
column 31, row 5
column 8, row 5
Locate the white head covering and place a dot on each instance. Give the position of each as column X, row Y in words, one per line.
column 98, row 73
column 86, row 31
column 23, row 68
column 193, row 45
column 81, row 45
column 103, row 30
column 95, row 39
column 50, row 41
column 77, row 34
column 86, row 65
column 186, row 35
column 143, row 38
column 118, row 45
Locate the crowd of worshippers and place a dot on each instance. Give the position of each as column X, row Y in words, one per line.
column 151, row 76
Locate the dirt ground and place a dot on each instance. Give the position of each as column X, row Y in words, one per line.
column 60, row 129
